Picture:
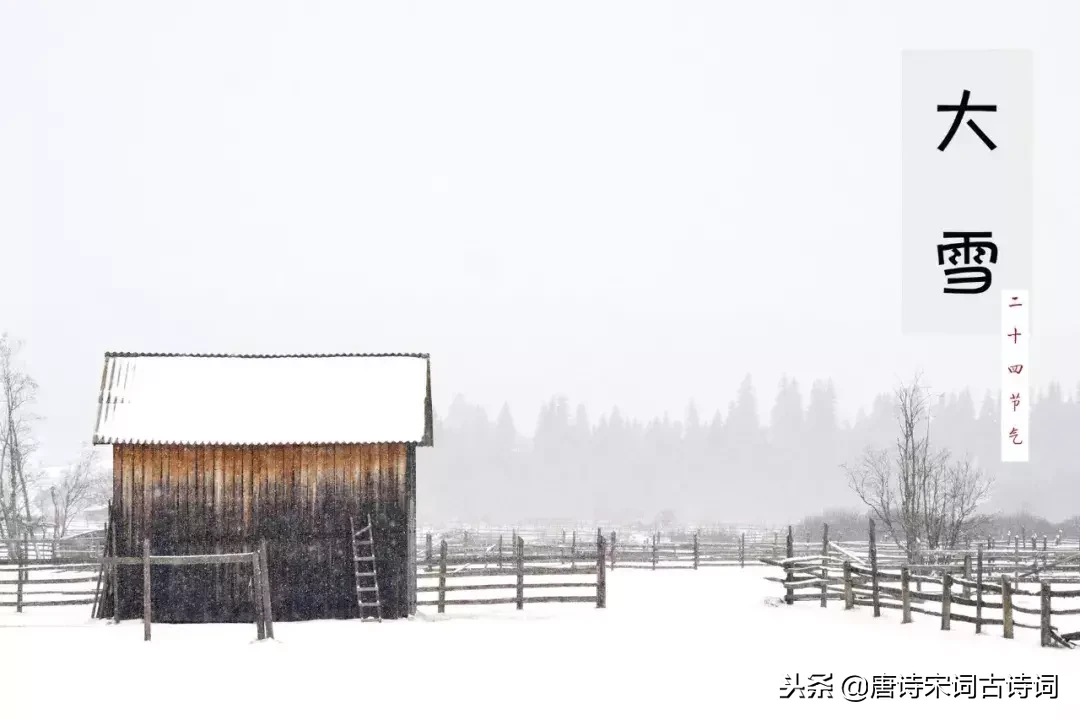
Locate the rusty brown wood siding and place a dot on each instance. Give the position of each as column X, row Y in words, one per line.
column 194, row 500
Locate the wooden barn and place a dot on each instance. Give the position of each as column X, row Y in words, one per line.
column 215, row 453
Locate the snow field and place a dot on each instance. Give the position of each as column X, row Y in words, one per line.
column 669, row 645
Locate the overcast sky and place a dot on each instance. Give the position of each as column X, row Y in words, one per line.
column 626, row 202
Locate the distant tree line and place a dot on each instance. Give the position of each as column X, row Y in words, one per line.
column 747, row 465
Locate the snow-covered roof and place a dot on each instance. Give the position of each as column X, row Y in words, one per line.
column 181, row 399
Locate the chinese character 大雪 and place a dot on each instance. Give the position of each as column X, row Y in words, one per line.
column 960, row 109
column 978, row 275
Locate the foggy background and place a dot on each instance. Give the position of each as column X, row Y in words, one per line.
column 625, row 204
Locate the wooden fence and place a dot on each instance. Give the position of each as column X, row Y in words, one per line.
column 654, row 554
column 260, row 586
column 23, row 584
column 85, row 547
column 942, row 585
column 519, row 565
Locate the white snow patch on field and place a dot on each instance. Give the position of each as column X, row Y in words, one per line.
column 671, row 644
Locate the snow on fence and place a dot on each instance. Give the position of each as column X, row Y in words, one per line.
column 650, row 552
column 37, row 584
column 538, row 562
column 69, row 548
column 963, row 580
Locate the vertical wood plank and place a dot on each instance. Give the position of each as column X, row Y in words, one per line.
column 1006, row 607
column 115, row 571
column 946, row 601
column 146, row 590
column 219, row 496
column 442, row 576
column 824, row 565
column 874, row 570
column 978, row 591
column 256, row 596
column 1044, row 614
column 520, row 573
column 260, row 459
column 601, row 579
column 789, row 576
column 905, row 593
column 247, row 491
column 126, row 502
column 849, row 593
column 268, row 608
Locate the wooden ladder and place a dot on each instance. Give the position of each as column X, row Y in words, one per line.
column 367, row 580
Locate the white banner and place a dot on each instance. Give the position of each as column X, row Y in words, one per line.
column 967, row 120
column 1015, row 375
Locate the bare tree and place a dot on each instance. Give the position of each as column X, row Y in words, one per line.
column 82, row 484
column 919, row 494
column 17, row 394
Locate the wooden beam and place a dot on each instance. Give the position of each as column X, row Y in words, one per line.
column 146, row 589
column 268, row 611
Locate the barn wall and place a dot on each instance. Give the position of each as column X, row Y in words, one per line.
column 213, row 499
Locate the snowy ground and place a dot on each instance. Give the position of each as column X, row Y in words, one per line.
column 670, row 644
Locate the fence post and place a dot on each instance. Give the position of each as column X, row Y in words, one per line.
column 825, row 565
column 849, row 593
column 268, row 610
column 695, row 550
column 1006, row 607
column 601, row 580
column 520, row 574
column 613, row 550
column 256, row 596
column 905, row 593
column 918, row 561
column 146, row 589
column 873, row 570
column 789, row 595
column 1044, row 614
column 115, row 569
column 102, row 582
column 573, row 550
column 1016, row 560
column 500, row 551
column 442, row 576
column 967, row 574
column 946, row 600
column 19, row 585
column 430, row 561
column 655, row 540
column 978, row 590
column 742, row 550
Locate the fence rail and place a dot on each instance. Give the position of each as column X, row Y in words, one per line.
column 22, row 579
column 260, row 586
column 654, row 554
column 520, row 565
